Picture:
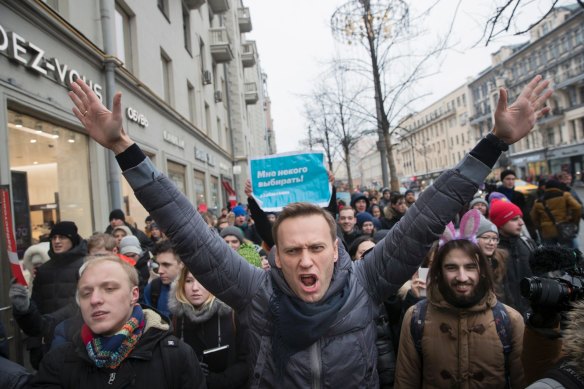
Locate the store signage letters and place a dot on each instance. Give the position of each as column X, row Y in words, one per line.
column 33, row 57
column 173, row 139
column 136, row 117
column 204, row 156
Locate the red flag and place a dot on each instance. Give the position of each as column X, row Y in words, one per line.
column 9, row 231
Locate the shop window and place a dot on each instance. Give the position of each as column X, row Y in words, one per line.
column 176, row 173
column 50, row 174
column 200, row 188
column 214, row 202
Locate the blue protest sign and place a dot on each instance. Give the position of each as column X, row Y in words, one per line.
column 279, row 180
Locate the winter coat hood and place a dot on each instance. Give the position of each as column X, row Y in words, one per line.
column 574, row 337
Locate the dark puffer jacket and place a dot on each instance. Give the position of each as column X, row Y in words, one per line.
column 346, row 355
column 208, row 328
column 56, row 280
column 68, row 366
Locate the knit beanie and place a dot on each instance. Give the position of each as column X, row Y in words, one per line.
column 553, row 184
column 363, row 217
column 117, row 214
column 497, row 196
column 502, row 211
column 231, row 230
column 477, row 200
column 507, row 172
column 130, row 244
column 238, row 211
column 486, row 226
column 68, row 229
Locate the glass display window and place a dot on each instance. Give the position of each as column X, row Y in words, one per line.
column 51, row 181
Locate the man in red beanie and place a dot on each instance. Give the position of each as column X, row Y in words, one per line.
column 509, row 220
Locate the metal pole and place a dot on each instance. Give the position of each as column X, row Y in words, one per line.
column 107, row 11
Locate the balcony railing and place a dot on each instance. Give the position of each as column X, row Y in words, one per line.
column 220, row 46
column 248, row 54
column 251, row 93
column 244, row 19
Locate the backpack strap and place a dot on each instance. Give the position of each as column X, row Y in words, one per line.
column 155, row 288
column 567, row 376
column 169, row 347
column 417, row 324
column 503, row 324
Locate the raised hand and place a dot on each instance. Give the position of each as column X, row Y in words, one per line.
column 248, row 190
column 516, row 121
column 104, row 126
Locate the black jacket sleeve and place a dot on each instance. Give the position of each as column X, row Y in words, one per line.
column 333, row 207
column 262, row 224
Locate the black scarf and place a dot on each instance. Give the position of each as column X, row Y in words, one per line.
column 298, row 324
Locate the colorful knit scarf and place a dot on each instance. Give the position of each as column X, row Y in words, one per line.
column 110, row 351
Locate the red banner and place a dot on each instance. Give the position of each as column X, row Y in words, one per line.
column 6, row 212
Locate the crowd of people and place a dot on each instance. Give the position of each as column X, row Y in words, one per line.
column 387, row 291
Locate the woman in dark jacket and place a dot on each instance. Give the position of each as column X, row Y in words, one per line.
column 209, row 326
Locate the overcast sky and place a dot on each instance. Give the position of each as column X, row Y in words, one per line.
column 294, row 40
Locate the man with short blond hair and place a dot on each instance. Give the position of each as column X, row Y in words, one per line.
column 119, row 342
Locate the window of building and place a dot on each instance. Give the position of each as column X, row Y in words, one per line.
column 163, row 7
column 192, row 102
column 200, row 187
column 550, row 137
column 214, row 201
column 202, row 56
column 50, row 178
column 186, row 19
column 166, row 76
column 123, row 35
column 208, row 123
column 219, row 131
column 176, row 173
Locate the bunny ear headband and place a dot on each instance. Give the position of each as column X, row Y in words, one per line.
column 469, row 225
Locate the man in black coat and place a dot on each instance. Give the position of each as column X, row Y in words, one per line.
column 53, row 290
column 120, row 344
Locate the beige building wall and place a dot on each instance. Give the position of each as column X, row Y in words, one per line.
column 434, row 139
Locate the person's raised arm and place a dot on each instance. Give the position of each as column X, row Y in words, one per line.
column 220, row 269
column 103, row 125
column 262, row 223
column 398, row 256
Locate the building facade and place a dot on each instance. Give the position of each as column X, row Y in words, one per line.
column 556, row 51
column 433, row 139
column 437, row 137
column 194, row 99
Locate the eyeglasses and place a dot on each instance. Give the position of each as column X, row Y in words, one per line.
column 489, row 239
